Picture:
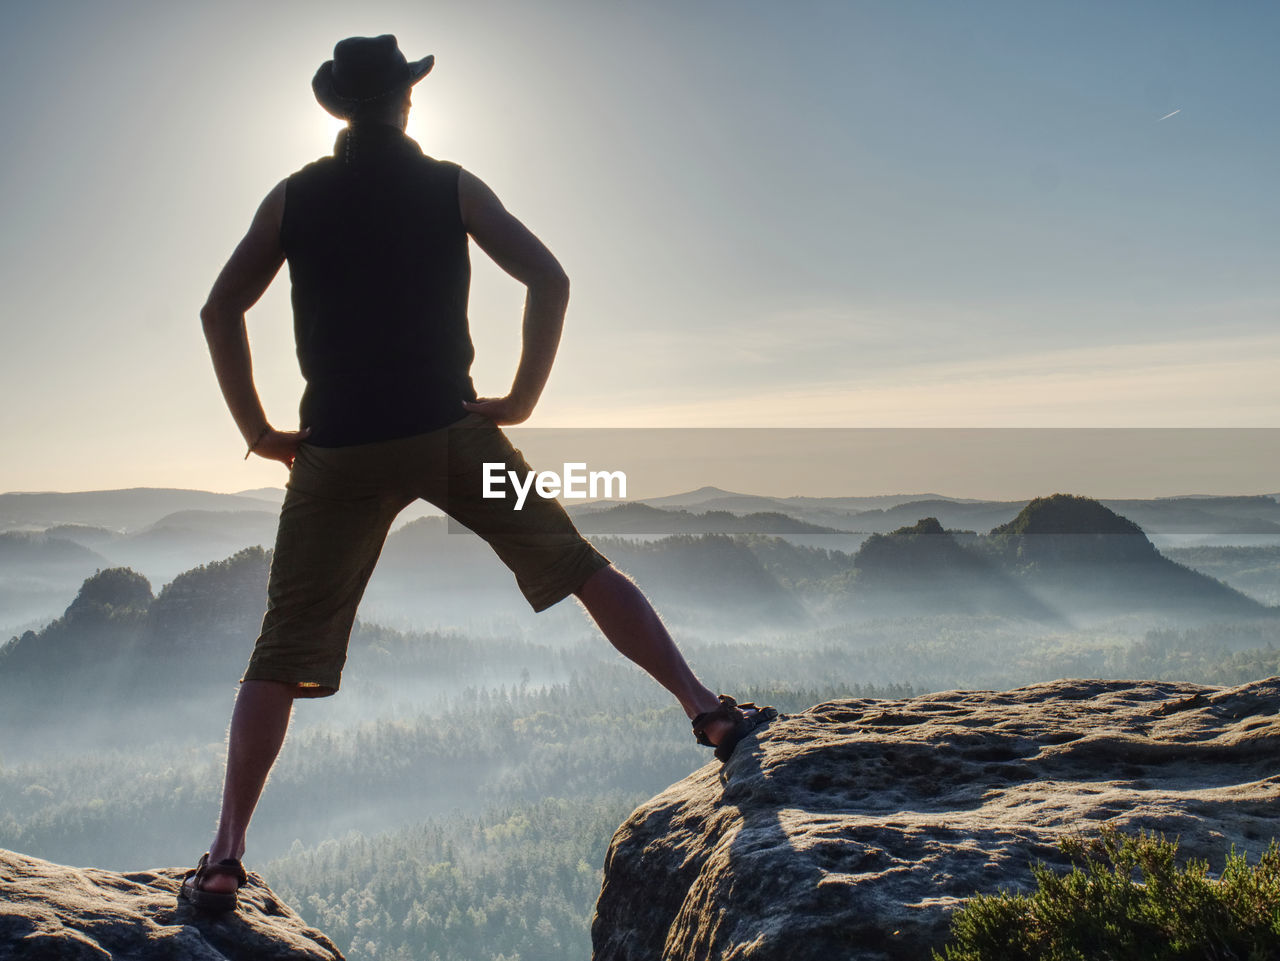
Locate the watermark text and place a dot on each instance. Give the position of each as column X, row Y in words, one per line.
column 576, row 482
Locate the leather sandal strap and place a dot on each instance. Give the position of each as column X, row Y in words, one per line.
column 229, row 867
column 728, row 710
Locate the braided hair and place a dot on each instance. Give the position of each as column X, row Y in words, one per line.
column 376, row 110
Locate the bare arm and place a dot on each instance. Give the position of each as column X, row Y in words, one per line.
column 242, row 282
column 522, row 255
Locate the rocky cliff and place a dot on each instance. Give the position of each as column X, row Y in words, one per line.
column 53, row 913
column 855, row 829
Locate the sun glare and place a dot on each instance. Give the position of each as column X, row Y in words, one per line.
column 427, row 122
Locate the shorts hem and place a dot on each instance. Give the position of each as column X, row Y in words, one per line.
column 304, row 688
column 546, row 599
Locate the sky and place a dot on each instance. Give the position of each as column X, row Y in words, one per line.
column 851, row 214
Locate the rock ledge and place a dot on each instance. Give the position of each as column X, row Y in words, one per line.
column 855, row 829
column 49, row 912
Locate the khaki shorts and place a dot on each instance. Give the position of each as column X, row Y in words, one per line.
column 338, row 508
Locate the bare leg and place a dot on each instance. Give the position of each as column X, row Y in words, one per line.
column 629, row 621
column 258, row 727
column 261, row 716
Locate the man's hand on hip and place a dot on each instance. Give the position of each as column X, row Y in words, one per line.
column 281, row 445
column 501, row 410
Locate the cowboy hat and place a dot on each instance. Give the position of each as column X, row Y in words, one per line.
column 365, row 69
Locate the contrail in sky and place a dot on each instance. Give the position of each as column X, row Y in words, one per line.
column 1168, row 115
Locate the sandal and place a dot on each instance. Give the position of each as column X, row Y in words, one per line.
column 215, row 902
column 745, row 717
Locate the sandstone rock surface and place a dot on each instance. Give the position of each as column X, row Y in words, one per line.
column 854, row 830
column 49, row 912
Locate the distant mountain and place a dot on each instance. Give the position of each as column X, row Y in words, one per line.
column 258, row 523
column 640, row 518
column 832, row 515
column 924, row 548
column 213, row 606
column 745, row 504
column 116, row 638
column 1212, row 516
column 38, row 572
column 715, row 498
column 185, row 539
column 1062, row 559
column 1203, row 515
column 694, row 498
column 124, row 510
column 1080, row 557
column 271, row 495
column 432, row 572
column 1252, row 570
column 83, row 534
column 93, row 638
column 952, row 515
column 811, row 571
column 874, row 502
column 924, row 569
column 35, row 553
column 1060, row 555
column 1065, row 527
column 135, row 508
column 710, row 576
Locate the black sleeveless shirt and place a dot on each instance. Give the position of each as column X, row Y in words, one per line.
column 378, row 259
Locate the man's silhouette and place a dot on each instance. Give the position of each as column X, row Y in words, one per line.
column 376, row 238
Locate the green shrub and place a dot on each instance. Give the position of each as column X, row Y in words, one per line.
column 1102, row 912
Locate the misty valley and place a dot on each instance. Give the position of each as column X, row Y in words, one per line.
column 455, row 799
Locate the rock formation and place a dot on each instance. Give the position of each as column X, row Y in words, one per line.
column 855, row 829
column 1062, row 560
column 53, row 913
column 924, row 569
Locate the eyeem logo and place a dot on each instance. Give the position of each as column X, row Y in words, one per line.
column 576, row 482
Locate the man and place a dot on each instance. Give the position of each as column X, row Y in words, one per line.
column 376, row 238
